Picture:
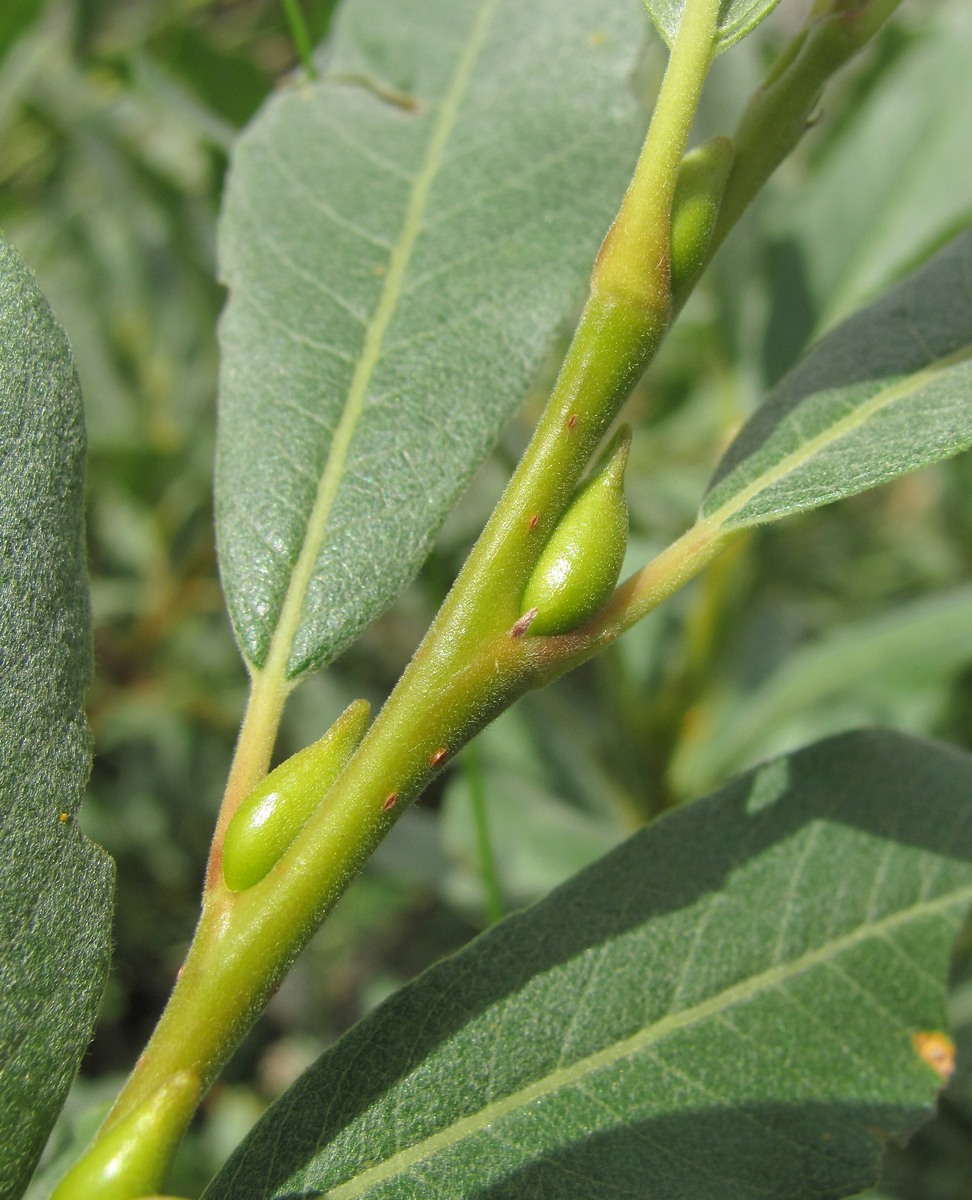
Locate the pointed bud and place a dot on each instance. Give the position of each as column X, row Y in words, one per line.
column 271, row 816
column 698, row 195
column 580, row 564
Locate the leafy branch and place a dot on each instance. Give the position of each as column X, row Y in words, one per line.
column 480, row 653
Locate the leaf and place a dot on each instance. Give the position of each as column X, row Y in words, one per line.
column 55, row 887
column 538, row 840
column 736, row 19
column 722, row 1007
column 15, row 17
column 401, row 241
column 888, row 391
column 867, row 671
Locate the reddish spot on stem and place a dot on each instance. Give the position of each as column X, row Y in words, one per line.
column 390, row 801
column 534, row 521
column 602, row 252
column 937, row 1050
column 572, row 420
column 438, row 756
column 524, row 623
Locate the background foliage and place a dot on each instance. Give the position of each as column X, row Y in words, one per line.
column 115, row 117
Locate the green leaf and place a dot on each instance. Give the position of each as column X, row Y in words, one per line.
column 722, row 1007
column 859, row 674
column 55, row 887
column 736, row 18
column 888, row 391
column 15, row 17
column 538, row 840
column 401, row 242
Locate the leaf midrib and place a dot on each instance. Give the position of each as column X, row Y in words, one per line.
column 833, row 433
column 772, row 977
column 291, row 612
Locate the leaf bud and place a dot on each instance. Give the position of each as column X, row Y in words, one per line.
column 578, row 568
column 271, row 816
column 701, row 181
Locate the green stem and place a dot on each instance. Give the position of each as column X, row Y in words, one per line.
column 634, row 260
column 773, row 123
column 782, row 110
column 301, row 36
column 492, row 890
column 468, row 669
column 254, row 747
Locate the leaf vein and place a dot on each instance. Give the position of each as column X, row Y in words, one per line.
column 379, row 161
column 515, row 184
column 301, row 339
column 315, row 201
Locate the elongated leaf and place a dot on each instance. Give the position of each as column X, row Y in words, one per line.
column 55, row 887
column 736, row 19
column 723, row 1007
column 401, row 241
column 853, row 676
column 888, row 391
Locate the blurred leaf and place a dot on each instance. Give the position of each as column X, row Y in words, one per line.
column 15, row 17
column 884, row 656
column 229, row 85
column 886, row 392
column 539, row 841
column 55, row 915
column 736, row 18
column 113, row 205
column 724, row 1006
column 401, row 242
column 898, row 179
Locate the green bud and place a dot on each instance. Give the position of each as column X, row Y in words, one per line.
column 579, row 567
column 701, row 181
column 131, row 1157
column 271, row 816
